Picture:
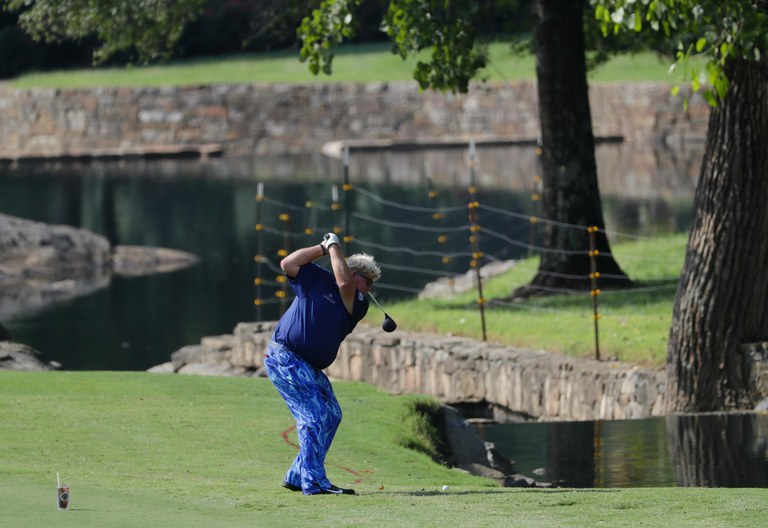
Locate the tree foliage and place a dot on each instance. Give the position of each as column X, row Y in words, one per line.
column 445, row 27
column 718, row 30
column 146, row 29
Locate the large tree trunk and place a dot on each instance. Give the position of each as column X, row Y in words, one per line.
column 721, row 300
column 571, row 197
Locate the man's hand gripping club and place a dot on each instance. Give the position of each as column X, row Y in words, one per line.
column 329, row 239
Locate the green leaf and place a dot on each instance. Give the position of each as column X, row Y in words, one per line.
column 721, row 86
column 700, row 44
column 601, row 13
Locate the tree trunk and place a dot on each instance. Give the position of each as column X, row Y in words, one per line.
column 721, row 300
column 571, row 197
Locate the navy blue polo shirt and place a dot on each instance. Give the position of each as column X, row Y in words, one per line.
column 317, row 322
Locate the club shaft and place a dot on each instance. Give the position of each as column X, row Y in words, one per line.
column 377, row 302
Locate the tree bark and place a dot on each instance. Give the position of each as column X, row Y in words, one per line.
column 571, row 197
column 721, row 301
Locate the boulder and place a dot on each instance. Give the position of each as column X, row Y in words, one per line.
column 34, row 250
column 16, row 356
column 447, row 286
column 41, row 264
column 134, row 261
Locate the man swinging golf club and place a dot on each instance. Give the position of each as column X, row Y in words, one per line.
column 327, row 307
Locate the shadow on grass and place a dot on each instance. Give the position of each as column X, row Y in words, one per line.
column 647, row 292
column 425, row 493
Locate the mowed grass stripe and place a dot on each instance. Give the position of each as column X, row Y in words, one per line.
column 144, row 450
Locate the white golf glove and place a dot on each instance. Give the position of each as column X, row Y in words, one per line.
column 330, row 239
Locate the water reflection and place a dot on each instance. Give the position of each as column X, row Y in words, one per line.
column 720, row 450
column 711, row 450
column 208, row 209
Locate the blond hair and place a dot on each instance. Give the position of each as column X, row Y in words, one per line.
column 365, row 264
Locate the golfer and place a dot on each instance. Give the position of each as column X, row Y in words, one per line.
column 327, row 307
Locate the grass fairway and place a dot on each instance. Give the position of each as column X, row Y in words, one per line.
column 164, row 450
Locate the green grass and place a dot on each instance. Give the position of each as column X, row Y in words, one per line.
column 184, row 451
column 633, row 324
column 359, row 63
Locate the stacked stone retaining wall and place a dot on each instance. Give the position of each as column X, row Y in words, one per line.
column 246, row 119
column 535, row 383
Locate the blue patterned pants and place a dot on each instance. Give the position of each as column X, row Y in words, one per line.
column 310, row 398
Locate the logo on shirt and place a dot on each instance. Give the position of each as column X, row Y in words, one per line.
column 329, row 297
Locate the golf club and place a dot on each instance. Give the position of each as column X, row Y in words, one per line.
column 389, row 324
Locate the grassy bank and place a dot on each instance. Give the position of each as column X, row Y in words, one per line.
column 163, row 450
column 633, row 325
column 358, row 63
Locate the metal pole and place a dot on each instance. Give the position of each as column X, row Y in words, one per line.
column 593, row 276
column 283, row 293
column 309, row 221
column 441, row 238
column 474, row 229
column 335, row 207
column 259, row 250
column 347, row 202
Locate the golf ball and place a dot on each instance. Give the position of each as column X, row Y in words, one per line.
column 445, row 488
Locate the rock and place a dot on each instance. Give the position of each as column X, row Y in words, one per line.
column 497, row 460
column 17, row 356
column 473, row 455
column 191, row 354
column 210, row 358
column 464, row 442
column 219, row 343
column 446, row 286
column 41, row 263
column 52, row 252
column 212, row 369
column 135, row 261
column 163, row 368
column 519, row 481
column 484, row 471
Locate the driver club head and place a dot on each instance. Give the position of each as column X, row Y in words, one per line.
column 389, row 324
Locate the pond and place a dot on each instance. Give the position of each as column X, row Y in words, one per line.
column 706, row 450
column 209, row 208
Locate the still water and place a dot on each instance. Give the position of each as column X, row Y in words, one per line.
column 711, row 450
column 208, row 208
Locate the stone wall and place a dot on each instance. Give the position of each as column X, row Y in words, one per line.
column 248, row 119
column 460, row 370
column 513, row 382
